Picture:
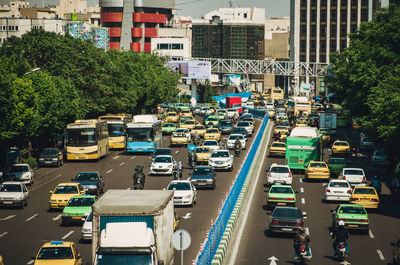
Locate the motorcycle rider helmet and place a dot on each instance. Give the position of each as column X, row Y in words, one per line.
column 341, row 223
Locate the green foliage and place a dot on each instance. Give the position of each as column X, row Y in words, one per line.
column 76, row 80
column 366, row 77
column 206, row 91
column 31, row 161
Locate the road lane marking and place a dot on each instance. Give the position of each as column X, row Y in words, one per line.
column 303, row 201
column 133, row 157
column 301, row 189
column 58, row 217
column 30, row 262
column 33, row 216
column 3, row 234
column 177, row 151
column 41, row 184
column 115, row 157
column 67, row 235
column 109, row 171
column 380, row 254
column 370, row 234
column 301, row 180
column 307, row 230
column 8, row 217
column 122, row 163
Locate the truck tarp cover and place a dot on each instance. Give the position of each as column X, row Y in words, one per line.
column 132, row 202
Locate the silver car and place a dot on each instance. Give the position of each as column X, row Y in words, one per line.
column 13, row 193
column 21, row 172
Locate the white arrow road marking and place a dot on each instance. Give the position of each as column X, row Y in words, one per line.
column 67, row 235
column 133, row 157
column 3, row 234
column 380, row 254
column 370, row 234
column 303, row 201
column 30, row 262
column 307, row 231
column 177, row 151
column 33, row 216
column 187, row 216
column 122, row 163
column 273, row 260
column 58, row 217
column 301, row 180
column 301, row 189
column 109, row 171
column 345, row 262
column 7, row 218
column 115, row 157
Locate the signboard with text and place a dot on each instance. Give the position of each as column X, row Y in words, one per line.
column 191, row 69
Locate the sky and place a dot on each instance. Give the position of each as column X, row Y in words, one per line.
column 197, row 8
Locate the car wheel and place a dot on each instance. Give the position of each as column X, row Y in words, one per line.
column 22, row 205
column 231, row 168
column 62, row 162
column 64, row 222
column 59, row 164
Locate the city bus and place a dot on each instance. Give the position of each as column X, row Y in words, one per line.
column 116, row 125
column 296, row 105
column 143, row 134
column 304, row 144
column 86, row 139
column 276, row 93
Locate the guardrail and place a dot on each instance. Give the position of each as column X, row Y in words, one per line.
column 258, row 113
column 216, row 232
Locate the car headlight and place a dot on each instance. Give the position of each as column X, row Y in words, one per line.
column 21, row 197
column 169, row 166
column 55, row 159
column 53, row 201
column 92, row 187
column 86, row 230
column 41, row 159
column 188, row 196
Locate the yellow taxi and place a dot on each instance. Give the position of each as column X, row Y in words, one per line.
column 171, row 117
column 179, row 139
column 326, row 134
column 189, row 124
column 199, row 129
column 176, row 220
column 340, row 148
column 302, row 122
column 63, row 192
column 58, row 252
column 186, row 113
column 212, row 134
column 202, row 154
column 365, row 196
column 271, row 113
column 283, row 130
column 277, row 148
column 317, row 170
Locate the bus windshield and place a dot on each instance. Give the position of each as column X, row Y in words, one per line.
column 139, row 135
column 115, row 129
column 81, row 137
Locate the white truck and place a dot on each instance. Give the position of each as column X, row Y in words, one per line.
column 133, row 227
column 328, row 120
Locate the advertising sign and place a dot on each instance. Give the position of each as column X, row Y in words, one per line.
column 192, row 69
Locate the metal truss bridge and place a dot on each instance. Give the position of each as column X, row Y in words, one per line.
column 266, row 67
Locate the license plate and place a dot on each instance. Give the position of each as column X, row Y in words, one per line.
column 77, row 217
column 48, row 162
column 7, row 202
column 365, row 199
column 140, row 149
column 61, row 205
column 201, row 183
column 287, row 229
column 353, row 225
column 337, row 192
column 281, row 203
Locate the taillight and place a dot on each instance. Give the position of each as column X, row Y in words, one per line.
column 344, row 177
column 286, row 161
column 364, row 220
column 272, row 198
column 290, row 175
column 325, row 171
column 354, row 199
column 375, row 200
column 349, row 191
column 290, row 199
column 269, row 174
column 299, row 224
column 275, row 222
column 341, row 219
column 364, row 180
column 310, row 171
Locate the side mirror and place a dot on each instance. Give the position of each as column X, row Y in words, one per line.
column 333, row 211
column 78, row 256
column 51, row 192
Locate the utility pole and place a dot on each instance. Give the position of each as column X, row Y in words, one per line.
column 230, row 3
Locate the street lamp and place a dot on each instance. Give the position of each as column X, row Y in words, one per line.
column 32, row 71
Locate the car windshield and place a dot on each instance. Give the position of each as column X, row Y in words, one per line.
column 10, row 188
column 202, row 150
column 353, row 172
column 178, row 135
column 86, row 177
column 243, row 124
column 336, row 184
column 317, row 165
column 281, row 190
column 163, row 159
column 139, row 134
column 162, row 152
column 210, row 143
column 364, row 191
column 66, row 190
column 220, row 154
column 286, row 212
column 166, row 125
column 115, row 129
column 55, row 253
column 336, row 161
column 189, row 122
column 279, row 170
column 19, row 169
column 341, row 144
column 198, row 128
column 236, row 136
column 78, row 202
column 182, row 130
column 352, row 210
column 201, row 171
column 171, row 114
column 278, row 145
column 50, row 151
column 212, row 131
column 212, row 119
column 284, row 123
column 179, row 186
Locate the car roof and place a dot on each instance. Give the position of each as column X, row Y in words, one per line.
column 164, row 156
column 220, row 150
column 203, row 167
column 20, row 164
column 338, row 180
column 356, row 168
column 180, row 181
column 280, row 185
column 351, row 205
column 12, row 182
column 90, row 172
column 67, row 184
column 276, row 165
column 54, row 244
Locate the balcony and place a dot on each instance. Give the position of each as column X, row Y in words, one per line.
column 115, row 32
column 149, row 18
column 137, row 32
column 136, row 47
column 150, row 32
column 111, row 17
column 114, row 45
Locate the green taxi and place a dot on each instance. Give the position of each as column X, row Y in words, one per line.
column 281, row 195
column 211, row 120
column 78, row 208
column 355, row 217
column 168, row 128
column 336, row 164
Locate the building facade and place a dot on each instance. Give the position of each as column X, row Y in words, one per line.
column 231, row 33
column 132, row 24
column 322, row 27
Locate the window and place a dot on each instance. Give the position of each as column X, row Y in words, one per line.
column 162, row 46
column 245, row 15
column 16, row 28
column 177, row 46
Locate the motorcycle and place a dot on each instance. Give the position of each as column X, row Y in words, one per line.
column 341, row 250
column 353, row 153
column 138, row 184
column 196, row 141
column 304, row 256
column 177, row 173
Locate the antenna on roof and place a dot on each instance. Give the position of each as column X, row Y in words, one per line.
column 230, row 3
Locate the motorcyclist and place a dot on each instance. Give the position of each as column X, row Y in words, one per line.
column 301, row 239
column 179, row 168
column 376, row 184
column 341, row 234
column 139, row 177
column 196, row 138
column 238, row 146
column 191, row 158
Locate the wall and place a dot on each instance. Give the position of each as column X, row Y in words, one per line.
column 278, row 46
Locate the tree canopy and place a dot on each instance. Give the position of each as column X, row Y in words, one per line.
column 76, row 80
column 366, row 77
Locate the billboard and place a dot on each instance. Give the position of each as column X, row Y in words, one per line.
column 191, row 69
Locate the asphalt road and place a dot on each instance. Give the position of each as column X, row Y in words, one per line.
column 257, row 246
column 23, row 231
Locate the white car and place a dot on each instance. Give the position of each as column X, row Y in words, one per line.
column 86, row 232
column 21, row 172
column 13, row 193
column 355, row 176
column 250, row 104
column 162, row 165
column 247, row 126
column 184, row 192
column 338, row 190
column 232, row 139
column 232, row 112
column 184, row 131
column 269, row 106
column 221, row 159
column 212, row 144
column 279, row 173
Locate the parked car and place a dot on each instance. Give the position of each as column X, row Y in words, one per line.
column 51, row 157
column 285, row 220
column 21, row 172
column 92, row 182
column 185, row 192
column 14, row 193
column 203, row 176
